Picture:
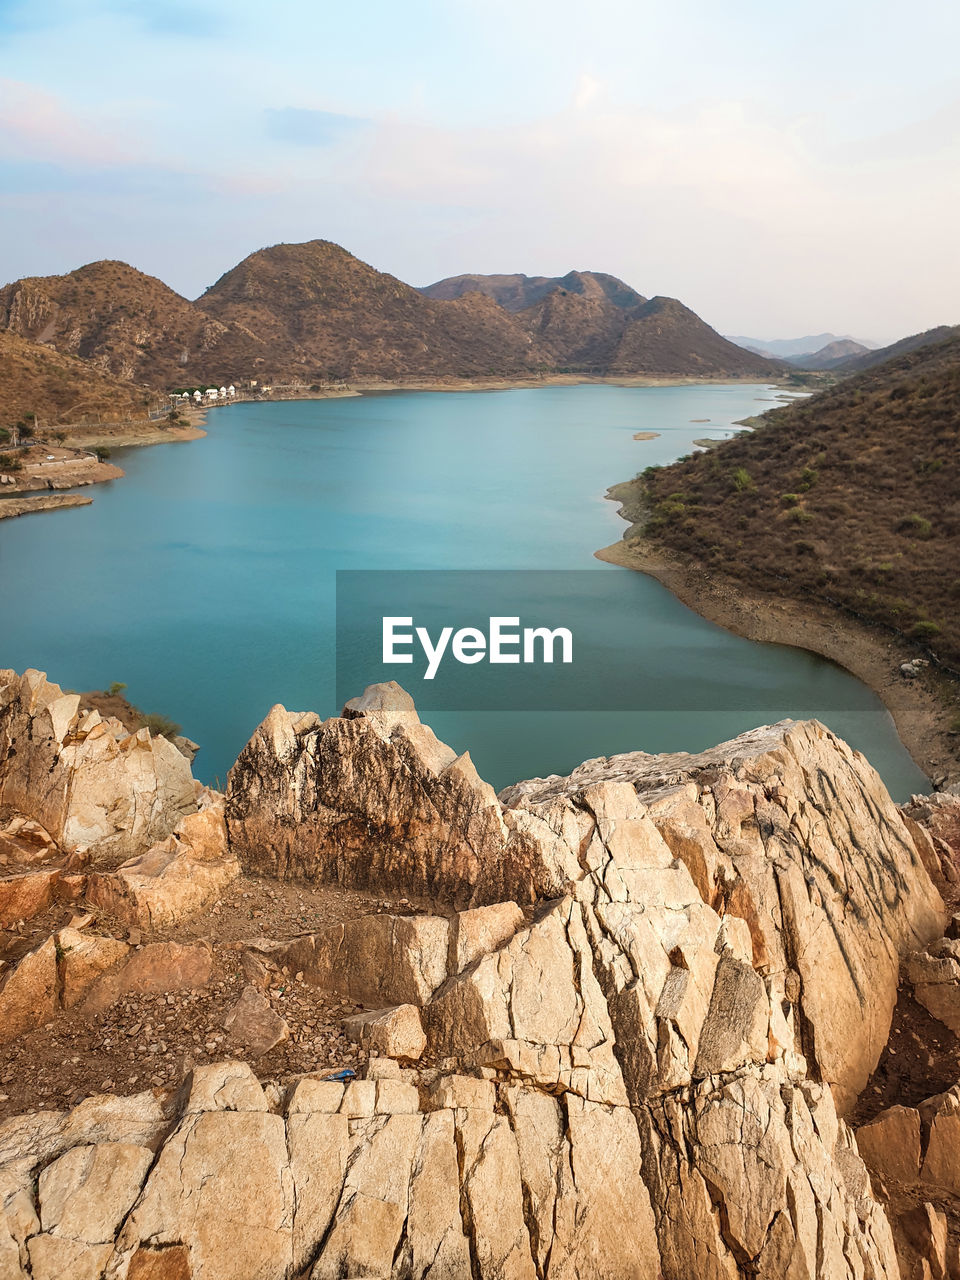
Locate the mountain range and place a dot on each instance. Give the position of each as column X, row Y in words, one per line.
column 313, row 312
column 787, row 348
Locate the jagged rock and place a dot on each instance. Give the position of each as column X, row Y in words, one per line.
column 396, row 1032
column 924, row 1249
column 802, row 841
column 89, row 782
column 372, row 798
column 174, row 879
column 482, row 930
column 253, row 1026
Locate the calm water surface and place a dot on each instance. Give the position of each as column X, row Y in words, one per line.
column 205, row 579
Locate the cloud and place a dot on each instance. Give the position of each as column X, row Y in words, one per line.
column 310, row 128
column 38, row 126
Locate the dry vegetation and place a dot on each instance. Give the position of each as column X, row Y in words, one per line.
column 852, row 497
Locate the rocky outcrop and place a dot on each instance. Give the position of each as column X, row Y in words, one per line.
column 176, row 877
column 440, row 1175
column 786, row 831
column 642, row 1001
column 90, row 783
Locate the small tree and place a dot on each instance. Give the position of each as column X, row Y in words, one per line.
column 26, row 431
column 102, row 453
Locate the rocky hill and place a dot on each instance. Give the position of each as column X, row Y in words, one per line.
column 851, row 497
column 311, row 312
column 623, row 1023
column 517, row 292
column 36, row 378
column 122, row 322
column 315, row 310
column 830, row 356
column 870, row 359
column 663, row 336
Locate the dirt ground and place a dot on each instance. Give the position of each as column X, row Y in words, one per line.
column 152, row 1041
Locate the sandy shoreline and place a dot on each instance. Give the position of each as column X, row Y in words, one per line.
column 29, row 503
column 872, row 654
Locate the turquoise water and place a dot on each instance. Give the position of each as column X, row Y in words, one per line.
column 205, row 579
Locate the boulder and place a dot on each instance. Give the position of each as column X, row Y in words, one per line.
column 175, row 878
column 26, row 895
column 891, row 1145
column 88, row 781
column 252, row 1025
column 84, row 957
column 29, row 996
column 395, row 1033
column 934, row 974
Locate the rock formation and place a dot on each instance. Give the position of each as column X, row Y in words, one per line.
column 620, row 1041
column 86, row 780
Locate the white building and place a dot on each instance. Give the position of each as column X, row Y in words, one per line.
column 231, row 390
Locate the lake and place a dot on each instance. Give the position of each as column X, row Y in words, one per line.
column 204, row 580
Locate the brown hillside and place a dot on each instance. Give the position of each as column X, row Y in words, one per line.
column 580, row 331
column 851, row 497
column 317, row 310
column 666, row 337
column 517, row 292
column 869, row 359
column 126, row 323
column 60, row 388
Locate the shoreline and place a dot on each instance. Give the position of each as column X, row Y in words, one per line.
column 871, row 654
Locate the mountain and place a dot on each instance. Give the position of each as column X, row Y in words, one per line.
column 125, row 323
column 831, row 356
column 851, row 497
column 784, row 348
column 930, row 337
column 517, row 292
column 663, row 336
column 310, row 312
column 61, row 388
column 315, row 310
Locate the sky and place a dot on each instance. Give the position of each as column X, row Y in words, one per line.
column 782, row 170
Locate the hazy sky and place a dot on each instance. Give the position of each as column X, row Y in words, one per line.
column 782, row 169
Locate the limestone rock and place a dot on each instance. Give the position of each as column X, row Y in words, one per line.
column 935, row 976
column 175, row 878
column 802, row 841
column 372, row 798
column 159, row 967
column 28, row 997
column 374, row 960
column 26, row 895
column 253, row 1026
column 89, row 782
column 891, row 1145
column 83, row 958
column 395, row 1033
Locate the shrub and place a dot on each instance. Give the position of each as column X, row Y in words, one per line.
column 923, row 630
column 742, row 480
column 117, row 687
column 9, row 463
column 160, row 725
column 916, row 525
column 790, row 499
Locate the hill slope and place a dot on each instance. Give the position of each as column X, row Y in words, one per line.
column 869, row 360
column 851, row 497
column 517, row 292
column 315, row 309
column 664, row 336
column 61, row 388
column 126, row 323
